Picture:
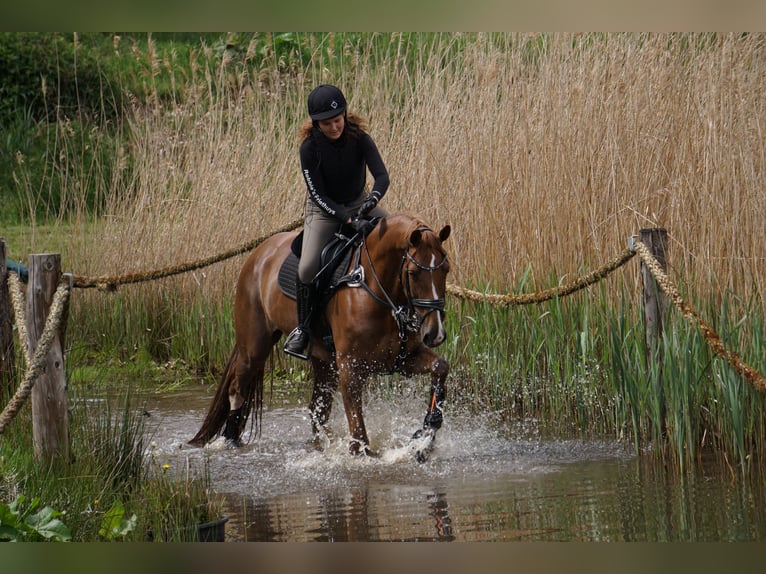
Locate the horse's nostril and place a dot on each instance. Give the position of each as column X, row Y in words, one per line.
column 431, row 339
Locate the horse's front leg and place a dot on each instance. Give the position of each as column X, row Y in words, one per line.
column 434, row 414
column 351, row 379
column 426, row 361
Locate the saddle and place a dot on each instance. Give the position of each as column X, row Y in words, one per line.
column 334, row 261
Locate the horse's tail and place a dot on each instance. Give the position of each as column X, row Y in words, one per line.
column 219, row 408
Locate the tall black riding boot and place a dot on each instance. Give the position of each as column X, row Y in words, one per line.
column 298, row 341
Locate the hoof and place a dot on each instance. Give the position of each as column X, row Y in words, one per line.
column 422, row 443
column 434, row 419
column 319, row 441
column 371, row 453
column 234, row 443
column 356, row 448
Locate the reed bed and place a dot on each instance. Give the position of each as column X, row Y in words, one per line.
column 545, row 152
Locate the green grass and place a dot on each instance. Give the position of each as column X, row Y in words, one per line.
column 24, row 240
column 161, row 329
column 110, row 466
column 577, row 367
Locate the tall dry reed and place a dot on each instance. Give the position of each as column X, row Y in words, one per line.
column 546, row 151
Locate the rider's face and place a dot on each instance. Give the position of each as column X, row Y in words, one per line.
column 332, row 127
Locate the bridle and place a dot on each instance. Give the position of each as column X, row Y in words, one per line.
column 413, row 302
column 407, row 318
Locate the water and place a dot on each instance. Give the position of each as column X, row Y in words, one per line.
column 483, row 482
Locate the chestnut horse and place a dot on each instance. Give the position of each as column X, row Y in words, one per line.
column 388, row 320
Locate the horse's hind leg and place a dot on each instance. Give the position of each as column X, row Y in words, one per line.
column 235, row 421
column 246, row 390
column 242, row 391
column 325, row 385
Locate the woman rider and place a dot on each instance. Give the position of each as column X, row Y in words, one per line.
column 335, row 154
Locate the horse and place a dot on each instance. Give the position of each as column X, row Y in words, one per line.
column 388, row 319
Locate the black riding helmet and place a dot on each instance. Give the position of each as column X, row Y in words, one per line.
column 326, row 101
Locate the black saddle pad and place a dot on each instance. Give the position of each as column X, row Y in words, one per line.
column 337, row 253
column 287, row 274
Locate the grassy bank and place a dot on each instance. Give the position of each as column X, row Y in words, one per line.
column 112, row 488
column 544, row 153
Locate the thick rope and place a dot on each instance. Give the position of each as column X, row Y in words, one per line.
column 17, row 298
column 40, row 358
column 508, row 300
column 110, row 283
column 751, row 375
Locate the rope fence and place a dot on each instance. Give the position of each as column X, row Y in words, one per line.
column 751, row 375
column 111, row 282
column 509, row 300
column 36, row 363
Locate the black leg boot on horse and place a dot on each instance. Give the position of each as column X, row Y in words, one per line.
column 299, row 340
column 422, row 442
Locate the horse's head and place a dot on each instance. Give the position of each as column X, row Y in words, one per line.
column 424, row 279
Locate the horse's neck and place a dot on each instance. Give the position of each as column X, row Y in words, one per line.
column 386, row 259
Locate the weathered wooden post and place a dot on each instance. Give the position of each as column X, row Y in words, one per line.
column 7, row 349
column 655, row 312
column 50, row 420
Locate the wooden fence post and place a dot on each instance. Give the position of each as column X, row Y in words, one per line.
column 656, row 306
column 7, row 349
column 50, row 419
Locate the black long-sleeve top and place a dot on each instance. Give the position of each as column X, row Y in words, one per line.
column 335, row 171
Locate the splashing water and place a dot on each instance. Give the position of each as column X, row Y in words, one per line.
column 284, row 458
column 483, row 481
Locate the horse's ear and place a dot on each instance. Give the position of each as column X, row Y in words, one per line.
column 444, row 233
column 415, row 237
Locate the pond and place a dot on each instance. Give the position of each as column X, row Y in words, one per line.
column 483, row 481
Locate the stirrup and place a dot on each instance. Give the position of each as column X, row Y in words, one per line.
column 293, row 346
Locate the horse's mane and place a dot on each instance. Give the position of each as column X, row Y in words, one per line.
column 410, row 221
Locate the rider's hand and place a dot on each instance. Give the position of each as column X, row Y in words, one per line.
column 369, row 204
column 362, row 226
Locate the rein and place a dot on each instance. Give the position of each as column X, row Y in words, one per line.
column 405, row 315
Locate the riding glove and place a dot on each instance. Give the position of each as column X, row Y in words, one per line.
column 369, row 204
column 362, row 226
